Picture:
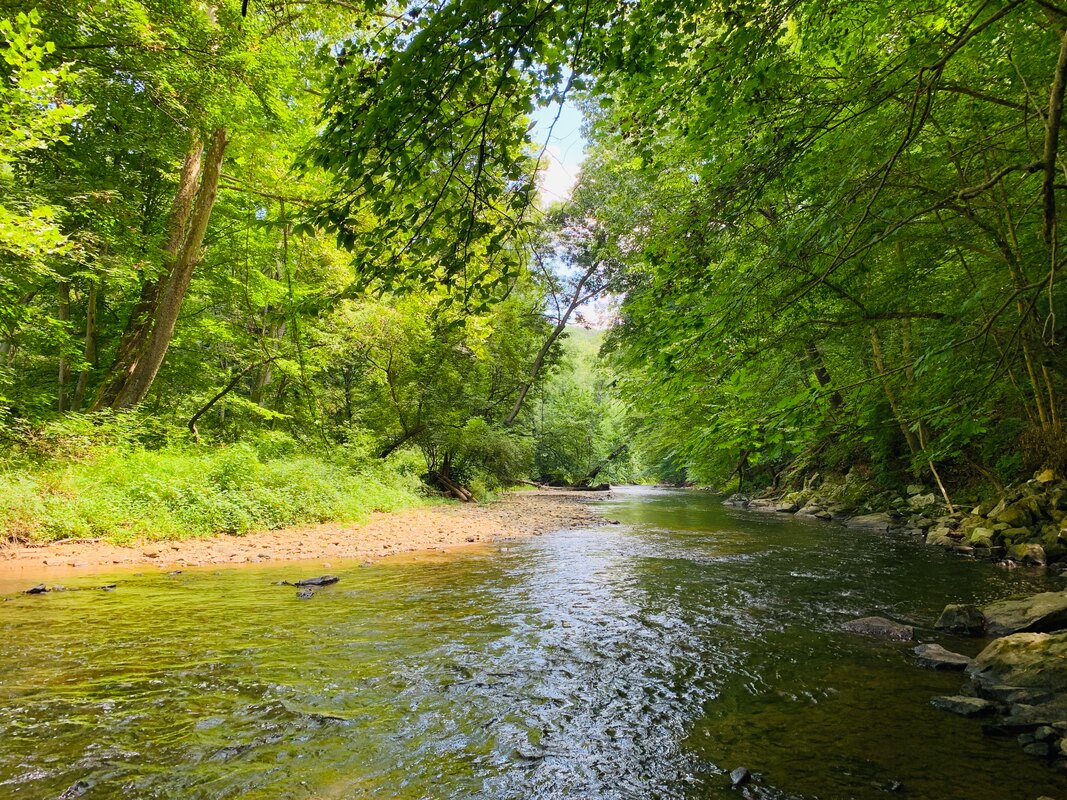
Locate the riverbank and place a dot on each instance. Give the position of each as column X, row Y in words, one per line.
column 430, row 527
column 1018, row 682
column 1024, row 524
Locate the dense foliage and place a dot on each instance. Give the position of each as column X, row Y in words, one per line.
column 832, row 229
column 173, row 255
column 835, row 225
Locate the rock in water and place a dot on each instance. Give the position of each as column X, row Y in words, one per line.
column 77, row 789
column 934, row 656
column 306, row 593
column 879, row 628
column 1022, row 660
column 322, row 580
column 38, row 589
column 1037, row 613
column 1028, row 553
column 966, row 619
column 964, row 706
column 736, row 500
column 740, row 776
column 870, row 522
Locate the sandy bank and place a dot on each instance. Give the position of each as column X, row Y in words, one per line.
column 426, row 528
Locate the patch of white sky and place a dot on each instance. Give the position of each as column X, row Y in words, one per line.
column 559, row 131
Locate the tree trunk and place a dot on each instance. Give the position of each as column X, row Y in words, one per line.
column 151, row 327
column 879, row 365
column 89, row 351
column 618, row 451
column 561, row 325
column 822, row 374
column 64, row 365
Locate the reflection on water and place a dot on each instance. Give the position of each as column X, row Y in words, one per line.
column 633, row 661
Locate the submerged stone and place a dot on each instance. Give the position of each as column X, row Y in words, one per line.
column 871, row 522
column 879, row 628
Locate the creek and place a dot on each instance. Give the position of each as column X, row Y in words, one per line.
column 639, row 660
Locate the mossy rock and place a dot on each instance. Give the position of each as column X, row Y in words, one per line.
column 982, row 537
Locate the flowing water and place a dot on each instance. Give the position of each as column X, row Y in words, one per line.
column 641, row 660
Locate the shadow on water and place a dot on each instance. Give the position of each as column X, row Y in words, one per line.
column 636, row 661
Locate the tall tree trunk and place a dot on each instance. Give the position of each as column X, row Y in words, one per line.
column 89, row 351
column 894, row 403
column 64, row 365
column 151, row 327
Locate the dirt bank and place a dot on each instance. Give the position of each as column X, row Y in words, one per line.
column 426, row 528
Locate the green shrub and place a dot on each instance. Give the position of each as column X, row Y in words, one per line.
column 121, row 491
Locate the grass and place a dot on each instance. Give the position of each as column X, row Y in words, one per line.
column 121, row 490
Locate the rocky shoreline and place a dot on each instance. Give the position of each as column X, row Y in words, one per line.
column 1025, row 525
column 1017, row 685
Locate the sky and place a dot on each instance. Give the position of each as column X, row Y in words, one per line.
column 565, row 151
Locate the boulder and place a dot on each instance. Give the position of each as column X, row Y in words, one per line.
column 914, row 489
column 934, row 656
column 922, row 500
column 38, row 589
column 1032, row 554
column 1015, row 515
column 1037, row 613
column 965, row 619
column 786, row 508
column 870, row 522
column 941, row 536
column 736, row 500
column 1023, row 661
column 964, row 706
column 981, row 537
column 1014, row 534
column 879, row 628
column 1031, row 717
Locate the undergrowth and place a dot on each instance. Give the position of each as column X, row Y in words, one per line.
column 102, row 478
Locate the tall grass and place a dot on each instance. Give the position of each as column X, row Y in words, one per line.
column 89, row 480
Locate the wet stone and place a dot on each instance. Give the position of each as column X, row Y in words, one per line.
column 934, row 656
column 740, row 776
column 964, row 706
column 879, row 628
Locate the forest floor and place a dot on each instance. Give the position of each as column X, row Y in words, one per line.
column 425, row 528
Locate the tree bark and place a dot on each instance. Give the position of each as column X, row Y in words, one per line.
column 879, row 365
column 63, row 372
column 89, row 351
column 822, row 374
column 151, row 327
